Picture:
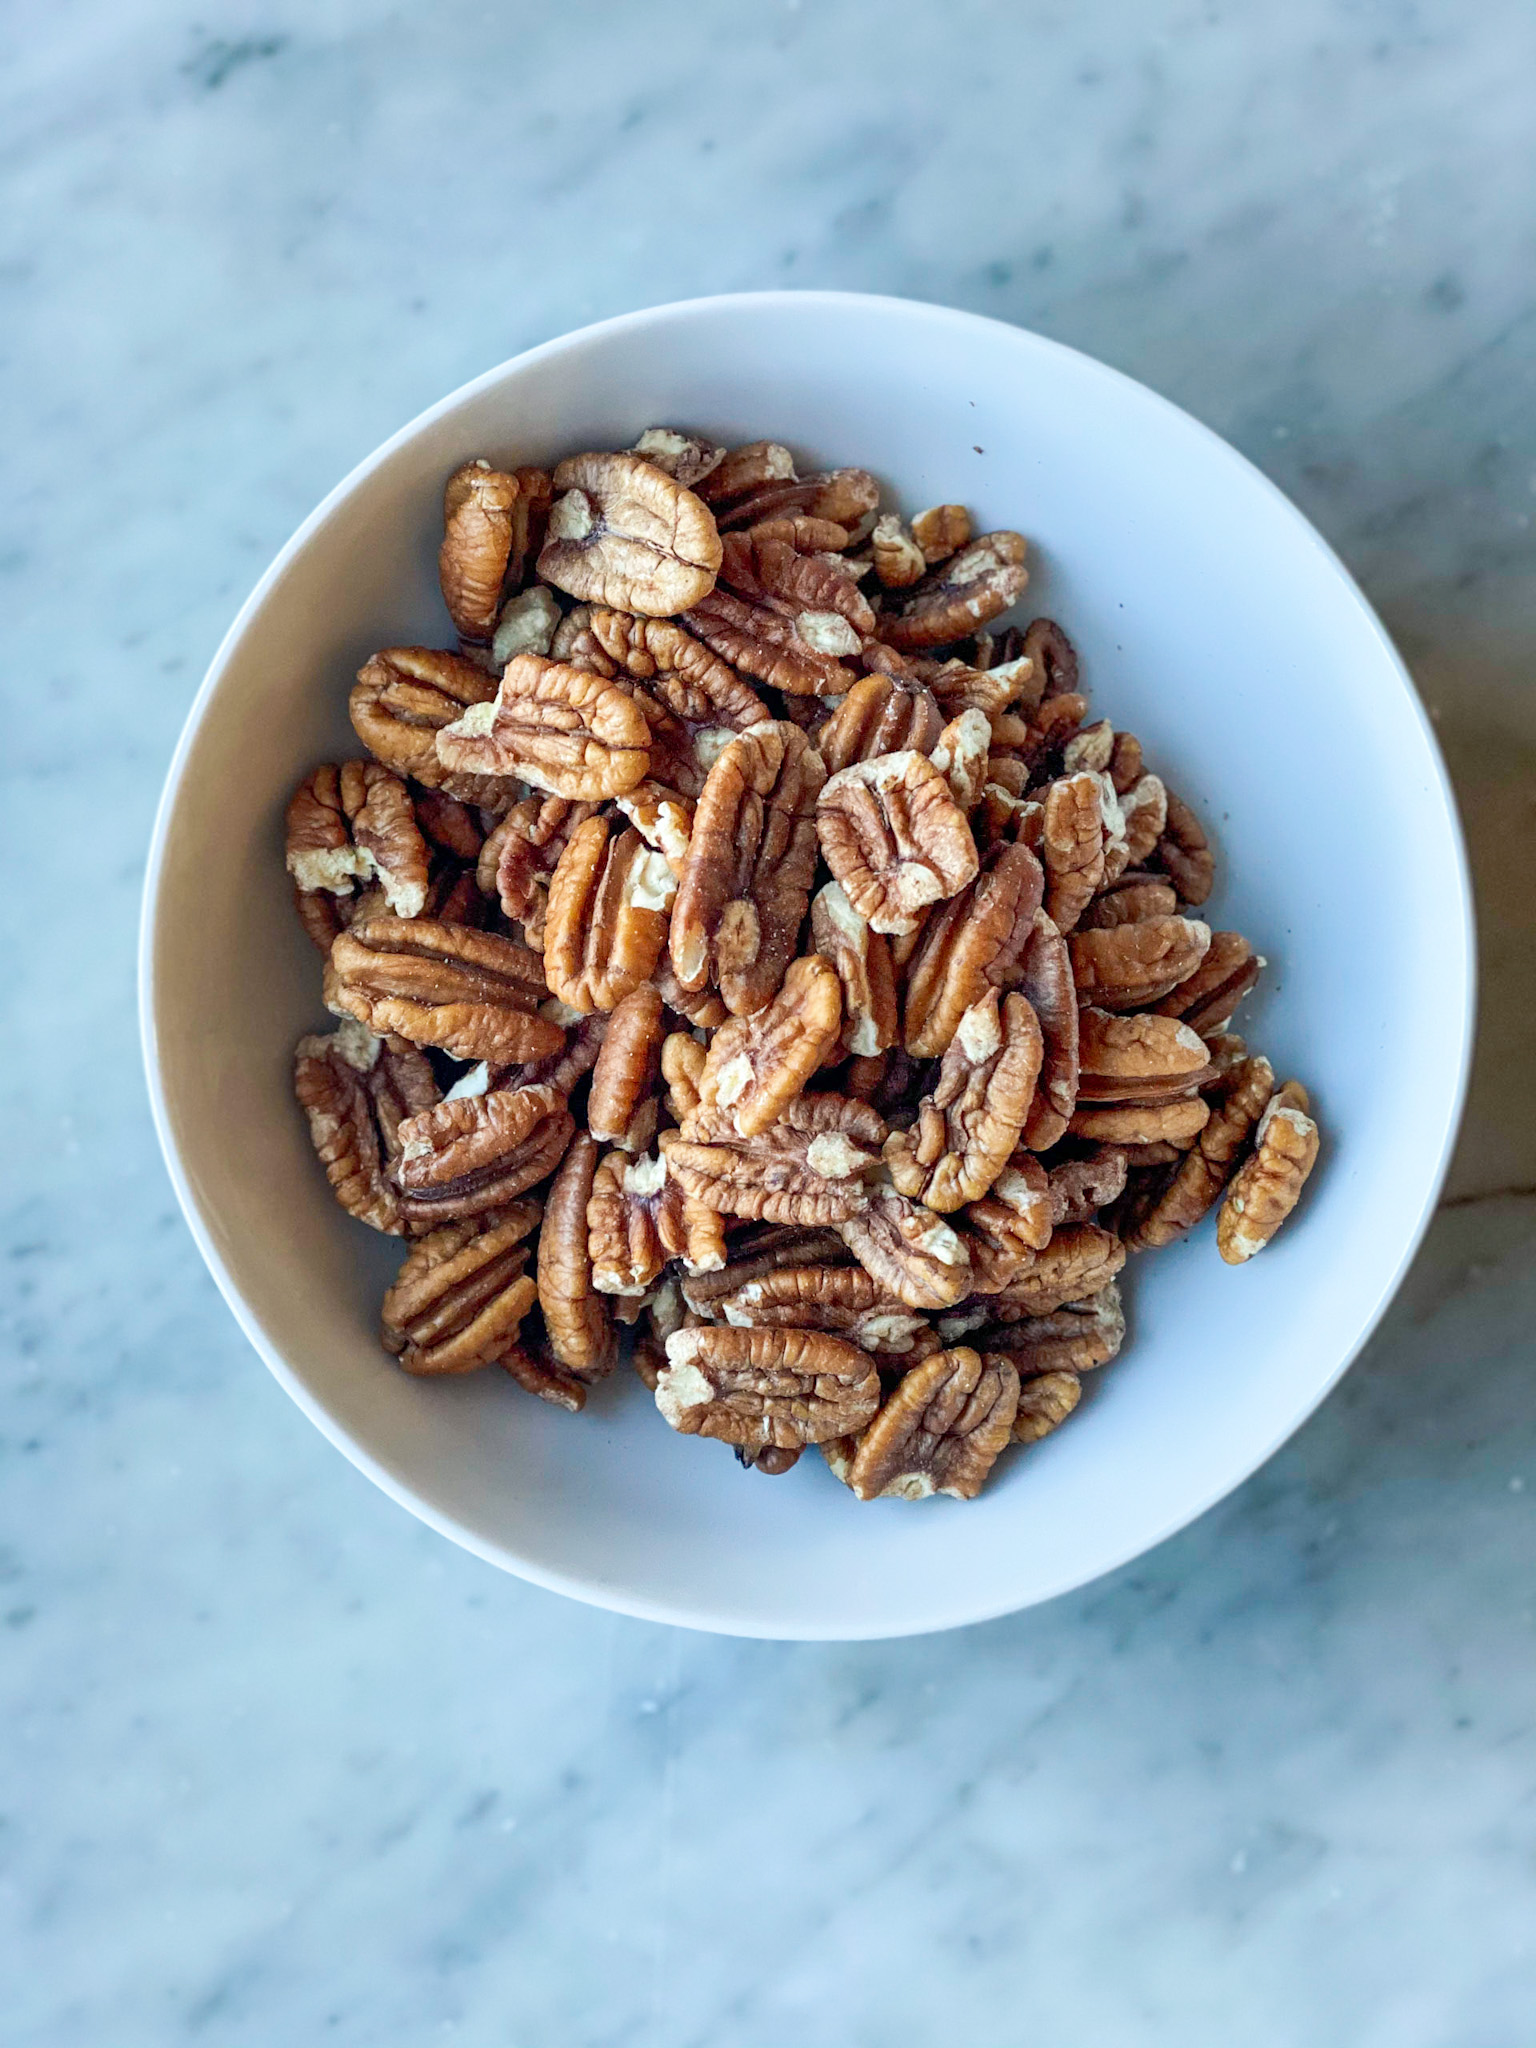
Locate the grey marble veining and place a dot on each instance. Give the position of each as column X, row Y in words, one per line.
column 278, row 1764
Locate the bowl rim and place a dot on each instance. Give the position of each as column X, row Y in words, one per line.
column 677, row 1611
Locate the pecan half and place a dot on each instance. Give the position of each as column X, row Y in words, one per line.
column 1129, row 966
column 765, row 566
column 621, row 1109
column 895, row 838
column 972, row 943
column 1075, row 1338
column 747, row 469
column 967, row 1128
column 960, row 754
column 1184, row 854
column 1053, row 657
column 1072, row 847
column 638, row 1217
column 969, row 588
column 879, row 716
column 1143, row 1057
column 460, row 1298
column 758, row 1064
column 1144, row 815
column 522, row 853
column 1045, row 977
column 913, row 1253
column 355, row 823
column 1238, row 1101
column 562, row 729
column 682, row 1068
column 799, row 652
column 1141, row 1123
column 475, row 994
column 758, row 1251
column 1078, row 1261
column 1006, row 1226
column 940, row 1431
column 845, row 496
column 898, row 556
column 401, row 701
column 577, row 1320
column 941, row 531
column 1134, row 897
column 758, row 1388
column 1268, row 1184
column 355, row 1090
column 1207, row 998
column 624, row 533
column 1045, row 1402
column 747, row 879
column 472, row 562
column 862, row 957
column 527, row 625
column 607, row 917
column 471, row 1153
column 810, row 1167
column 843, row 1299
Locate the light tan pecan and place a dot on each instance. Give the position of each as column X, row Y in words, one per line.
column 971, row 943
column 460, row 1298
column 804, row 653
column 1268, row 1184
column 899, row 558
column 1075, row 1338
column 478, row 512
column 1138, row 1058
column 638, row 1217
column 758, row 1064
column 621, row 1109
column 1080, row 1187
column 623, row 533
column 664, row 819
column 1141, row 1123
column 475, row 994
column 1079, row 1261
column 527, row 625
column 1073, row 842
column 1144, row 815
column 1130, row 966
column 1045, row 1402
column 687, row 458
column 1007, row 1225
column 578, row 1322
column 843, row 1299
column 1134, row 897
column 1238, row 1100
column 1184, row 854
column 607, row 917
column 879, row 716
column 941, row 531
column 1207, row 998
column 810, row 1167
column 967, row 1127
column 747, row 878
column 939, row 1431
column 895, row 838
column 862, row 957
column 472, row 1153
column 522, row 853
column 760, row 1388
column 1090, row 749
column 913, row 1253
column 962, row 593
column 400, row 702
column 847, row 497
column 960, row 686
column 561, row 729
column 355, row 1090
column 960, row 755
column 355, row 823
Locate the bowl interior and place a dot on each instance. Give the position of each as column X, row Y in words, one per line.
column 1211, row 621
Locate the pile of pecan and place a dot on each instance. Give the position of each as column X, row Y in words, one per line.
column 737, row 940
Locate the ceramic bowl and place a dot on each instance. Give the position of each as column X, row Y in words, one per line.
column 1211, row 620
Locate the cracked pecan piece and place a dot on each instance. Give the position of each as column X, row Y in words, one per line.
column 761, row 1388
column 967, row 1127
column 1268, row 1184
column 1131, row 966
column 899, row 559
column 809, row 1167
column 895, row 838
column 1073, row 842
column 1207, row 998
column 1045, row 977
column 880, row 716
column 459, row 1300
column 1238, row 1101
column 682, row 1068
column 403, row 698
column 664, row 819
column 562, row 729
column 527, row 625
column 356, row 823
column 846, row 497
column 862, row 958
column 747, row 469
column 686, row 458
column 940, row 1431
column 962, row 593
column 913, row 1253
column 1053, row 657
column 971, row 943
column 621, row 1109
column 746, row 881
column 471, row 1153
column 638, row 1217
column 941, row 531
column 521, row 854
column 1138, row 1058
column 1077, row 1337
column 961, row 754
column 578, row 1322
column 1184, row 853
column 607, row 916
column 1079, row 1188
column 1144, row 817
column 355, row 1090
column 757, row 1065
column 1078, row 1261
column 1005, row 1227
column 1045, row 1402
column 475, row 994
column 623, row 533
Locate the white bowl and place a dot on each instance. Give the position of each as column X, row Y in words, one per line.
column 1211, row 620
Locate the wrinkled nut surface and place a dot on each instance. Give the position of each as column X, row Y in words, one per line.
column 478, row 504
column 562, row 729
column 970, row 944
column 626, row 1071
column 1207, row 998
column 1129, row 966
column 843, row 1299
column 1184, row 854
column 1045, row 1402
column 577, row 1320
column 967, row 590
column 967, row 1128
column 474, row 994
column 356, row 823
column 1268, row 1184
column 1045, row 977
column 941, row 531
column 762, row 1387
column 693, row 701
column 1133, row 898
column 1075, row 1338
column 1004, row 1227
column 521, row 854
column 459, row 1300
column 913, row 1253
column 880, row 716
column 757, row 1065
column 606, row 921
column 623, row 533
column 940, row 1431
column 638, row 1218
column 961, row 754
column 686, row 458
column 1238, row 1101
column 403, row 698
column 862, row 958
column 355, row 1090
column 1138, row 1057
column 1079, row 1261
column 899, row 560
column 810, row 1166
column 1072, row 847
column 802, row 652
column 895, row 838
column 478, row 1152
column 1079, row 1188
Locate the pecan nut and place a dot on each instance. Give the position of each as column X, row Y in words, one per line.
column 638, row 1217
column 843, row 1299
column 521, row 854
column 1130, row 966
column 475, row 994
column 562, row 729
column 972, row 943
column 1007, row 1225
column 803, row 653
column 745, row 470
column 967, row 1127
column 1134, row 897
column 607, row 916
column 941, row 531
column 578, row 1322
column 1075, row 1338
column 355, row 1091
column 862, row 957
column 880, row 716
column 1072, row 847
column 356, row 823
column 1141, row 1057
column 1207, row 998
column 1268, row 1184
column 940, row 1431
column 913, row 1253
column 961, row 753
column 622, row 1107
column 1184, row 854
column 809, row 1167
column 1079, row 1188
column 478, row 504
column 761, row 1388
column 686, row 458
column 1045, row 977
column 471, row 1153
column 756, row 1252
column 625, row 534
column 757, row 1065
column 1044, row 1405
column 847, row 497
column 1078, row 1261
column 964, row 592
column 401, row 701
column 459, row 1300
column 898, row 555
column 895, row 838
column 1239, row 1100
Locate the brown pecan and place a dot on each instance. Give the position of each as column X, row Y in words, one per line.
column 756, row 1252
column 478, row 504
column 747, row 878
column 940, row 1431
column 1144, row 815
column 843, row 1299
column 477, row 1152
column 1077, row 1262
column 577, row 1320
column 1073, row 842
column 621, row 1109
column 449, row 826
column 961, row 754
column 913, row 1253
column 1129, row 966
column 1053, row 657
column 894, row 837
column 941, row 531
column 355, row 1090
column 573, row 1060
column 537, row 1373
column 1008, row 1224
column 983, row 579
column 758, row 1388
column 1183, row 853
column 971, row 943
column 1079, row 1188
column 458, row 1301
column 1045, row 1402
column 522, row 853
column 1207, row 998
column 844, row 496
column 800, row 652
column 322, row 916
column 1238, row 1101
column 967, row 1128
column 1075, row 1338
column 607, row 916
column 638, row 1217
column 1134, row 897
column 758, row 1064
column 1140, row 1123
column 1045, row 977
column 961, row 687
column 1138, row 1058
column 898, row 556
column 765, row 566
column 623, row 533
column 562, row 729
column 682, row 1068
column 475, row 994
column 1266, row 1187
column 747, row 469
column 400, row 702
column 862, row 958
column 701, row 1006
column 1090, row 750
column 879, row 716
column 810, row 1167
column 687, row 458
column 355, row 823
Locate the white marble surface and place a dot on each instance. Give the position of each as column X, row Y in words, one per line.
column 278, row 1765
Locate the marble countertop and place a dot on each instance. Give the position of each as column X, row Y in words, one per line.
column 276, row 1763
